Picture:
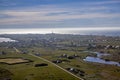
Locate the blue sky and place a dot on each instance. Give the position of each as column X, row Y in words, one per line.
column 59, row 14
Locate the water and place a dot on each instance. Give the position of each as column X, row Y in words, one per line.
column 101, row 54
column 6, row 40
column 99, row 60
column 81, row 31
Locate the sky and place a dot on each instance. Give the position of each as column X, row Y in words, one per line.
column 72, row 14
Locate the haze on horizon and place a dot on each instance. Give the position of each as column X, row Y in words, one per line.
column 54, row 15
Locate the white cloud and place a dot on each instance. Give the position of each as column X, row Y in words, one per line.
column 34, row 17
column 40, row 14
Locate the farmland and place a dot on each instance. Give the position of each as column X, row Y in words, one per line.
column 64, row 51
column 28, row 71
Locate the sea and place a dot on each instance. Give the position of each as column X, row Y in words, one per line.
column 2, row 39
column 79, row 31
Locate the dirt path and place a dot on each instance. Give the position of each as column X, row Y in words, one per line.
column 16, row 49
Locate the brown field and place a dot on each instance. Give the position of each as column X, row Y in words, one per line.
column 13, row 60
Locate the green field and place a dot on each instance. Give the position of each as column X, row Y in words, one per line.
column 28, row 71
column 93, row 71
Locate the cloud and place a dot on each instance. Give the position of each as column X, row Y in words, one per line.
column 36, row 17
column 107, row 2
column 58, row 14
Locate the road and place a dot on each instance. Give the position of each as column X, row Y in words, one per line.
column 56, row 66
column 16, row 49
column 51, row 63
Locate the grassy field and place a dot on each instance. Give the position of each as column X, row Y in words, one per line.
column 93, row 71
column 29, row 72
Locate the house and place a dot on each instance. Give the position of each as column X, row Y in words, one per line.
column 64, row 55
column 75, row 55
column 37, row 54
column 117, row 47
column 24, row 52
column 57, row 61
column 76, row 71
